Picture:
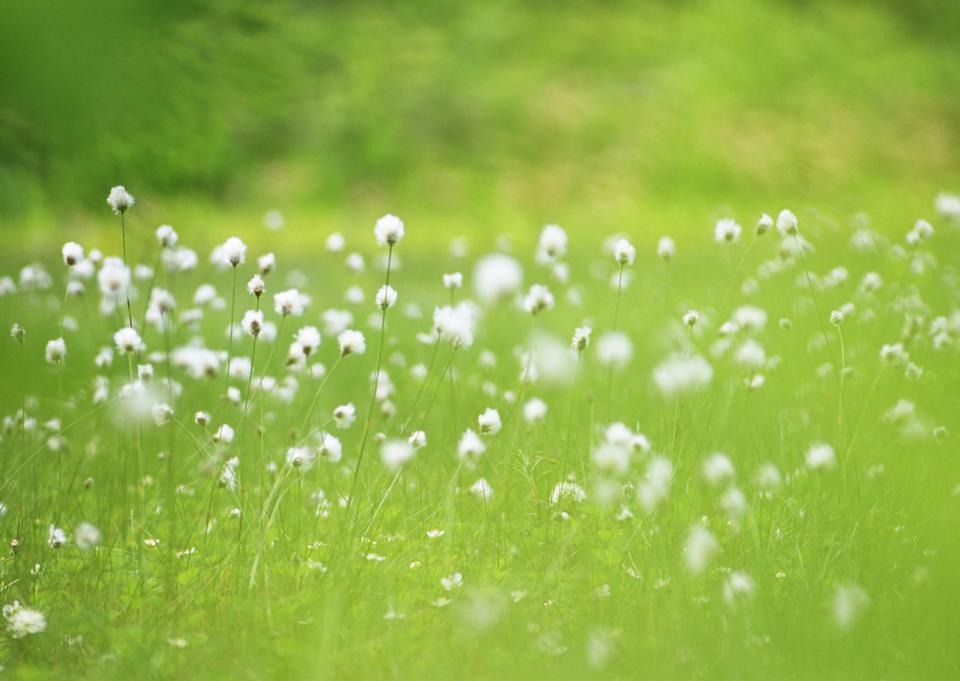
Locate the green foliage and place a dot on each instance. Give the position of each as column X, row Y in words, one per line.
column 543, row 106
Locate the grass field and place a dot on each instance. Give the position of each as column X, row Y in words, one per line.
column 767, row 490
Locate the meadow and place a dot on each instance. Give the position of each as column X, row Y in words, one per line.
column 610, row 456
column 479, row 340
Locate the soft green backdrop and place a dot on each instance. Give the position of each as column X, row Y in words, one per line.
column 478, row 117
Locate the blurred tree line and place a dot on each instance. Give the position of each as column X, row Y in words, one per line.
column 196, row 98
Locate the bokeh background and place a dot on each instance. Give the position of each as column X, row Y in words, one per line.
column 474, row 118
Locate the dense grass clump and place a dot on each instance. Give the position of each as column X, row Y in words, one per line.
column 610, row 457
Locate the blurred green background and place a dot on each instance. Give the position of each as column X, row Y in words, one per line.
column 598, row 115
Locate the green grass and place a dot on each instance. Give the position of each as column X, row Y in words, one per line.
column 587, row 596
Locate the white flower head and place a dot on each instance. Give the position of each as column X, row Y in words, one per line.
column 233, row 251
column 489, row 422
column 167, row 236
column 553, row 242
column 678, row 375
column 456, row 323
column 417, row 439
column 581, row 338
column 470, row 446
column 396, row 452
column 388, row 230
column 344, row 415
column 718, row 468
column 72, row 253
column 86, row 536
column 820, row 456
column 787, row 223
column 764, row 224
column 56, row 350
column 386, row 297
column 727, row 230
column 128, row 341
column 267, row 263
column 351, row 343
column 538, row 299
column 624, row 252
column 496, row 276
column 534, row 410
column 335, row 243
column 23, row 621
column 256, row 286
column 614, row 349
column 290, row 302
column 308, row 338
column 666, row 249
column 252, row 322
column 453, row 280
column 482, row 489
column 699, row 549
column 120, row 199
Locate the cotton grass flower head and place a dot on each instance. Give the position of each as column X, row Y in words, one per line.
column 489, row 422
column 267, row 263
column 553, row 242
column 120, row 200
column 699, row 549
column 72, row 253
column 329, row 447
column 456, row 323
column 666, row 249
column 389, row 230
column 496, row 276
column 417, row 439
column 691, row 318
column 534, row 410
column 453, row 280
column 86, row 536
column 128, row 341
column 23, row 621
column 654, row 488
column 166, row 236
column 233, row 252
column 787, row 223
column 581, row 338
column 256, row 286
column 614, row 349
column 679, row 375
column 482, row 489
column 569, row 491
column 727, row 230
column 849, row 603
column 308, row 338
column 396, row 452
column 948, row 206
column 764, row 224
column 288, row 303
column 56, row 537
column 538, row 299
column 820, row 457
column 351, row 342
column 162, row 413
column 624, row 253
column 55, row 351
column 470, row 447
column 344, row 415
column 718, row 468
column 301, row 458
column 386, row 297
column 738, row 587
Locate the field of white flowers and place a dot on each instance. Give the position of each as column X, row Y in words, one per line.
column 611, row 456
